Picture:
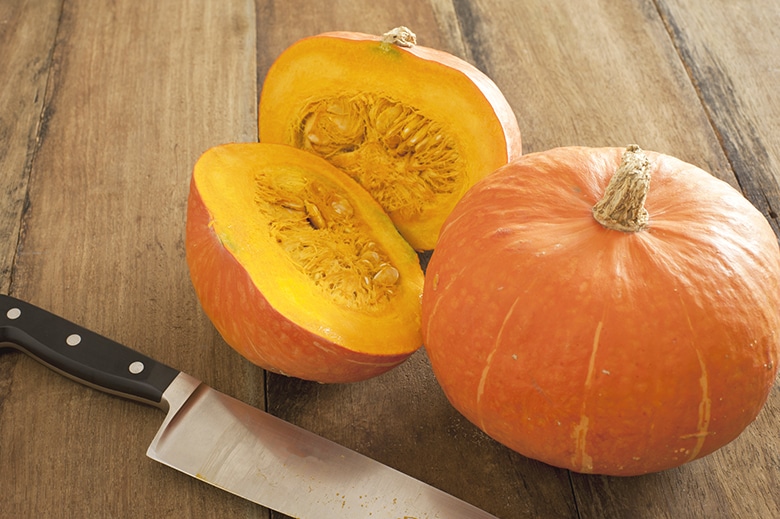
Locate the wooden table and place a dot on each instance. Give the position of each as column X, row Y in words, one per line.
column 104, row 108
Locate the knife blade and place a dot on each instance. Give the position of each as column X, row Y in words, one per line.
column 225, row 442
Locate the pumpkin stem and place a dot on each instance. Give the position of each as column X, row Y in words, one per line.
column 401, row 36
column 622, row 208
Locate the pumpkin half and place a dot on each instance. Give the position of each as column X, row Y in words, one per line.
column 299, row 269
column 623, row 339
column 413, row 125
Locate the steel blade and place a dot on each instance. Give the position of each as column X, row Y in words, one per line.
column 243, row 450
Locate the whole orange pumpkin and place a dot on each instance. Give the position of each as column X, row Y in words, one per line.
column 623, row 339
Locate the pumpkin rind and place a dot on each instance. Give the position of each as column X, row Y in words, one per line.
column 415, row 126
column 263, row 301
column 597, row 350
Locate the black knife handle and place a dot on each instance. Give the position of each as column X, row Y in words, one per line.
column 83, row 355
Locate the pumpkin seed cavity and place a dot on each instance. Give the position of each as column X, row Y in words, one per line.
column 404, row 159
column 316, row 226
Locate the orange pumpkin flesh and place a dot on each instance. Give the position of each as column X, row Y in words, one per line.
column 598, row 350
column 415, row 126
column 298, row 267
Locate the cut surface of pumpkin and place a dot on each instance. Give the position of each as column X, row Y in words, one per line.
column 415, row 126
column 291, row 258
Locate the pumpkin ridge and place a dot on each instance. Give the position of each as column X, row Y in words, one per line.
column 435, row 286
column 705, row 406
column 580, row 432
column 580, row 460
column 705, row 410
column 489, row 361
column 481, row 384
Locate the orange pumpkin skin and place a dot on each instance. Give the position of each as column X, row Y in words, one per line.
column 596, row 350
column 249, row 323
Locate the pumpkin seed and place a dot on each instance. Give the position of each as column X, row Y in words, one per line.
column 386, row 276
column 314, row 215
column 341, row 206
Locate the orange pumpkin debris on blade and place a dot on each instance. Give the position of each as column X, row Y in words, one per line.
column 606, row 323
column 415, row 126
column 299, row 269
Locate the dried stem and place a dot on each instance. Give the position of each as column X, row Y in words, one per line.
column 622, row 207
column 401, row 36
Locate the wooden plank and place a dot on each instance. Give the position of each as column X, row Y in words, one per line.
column 592, row 73
column 27, row 31
column 138, row 90
column 730, row 50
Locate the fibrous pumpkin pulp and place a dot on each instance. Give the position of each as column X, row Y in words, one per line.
column 299, row 269
column 415, row 126
column 604, row 318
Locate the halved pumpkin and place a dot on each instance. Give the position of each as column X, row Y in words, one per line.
column 299, row 269
column 414, row 125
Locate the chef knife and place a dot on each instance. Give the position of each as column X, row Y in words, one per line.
column 225, row 442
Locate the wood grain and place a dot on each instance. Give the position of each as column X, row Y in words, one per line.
column 27, row 31
column 111, row 103
column 136, row 91
column 730, row 50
